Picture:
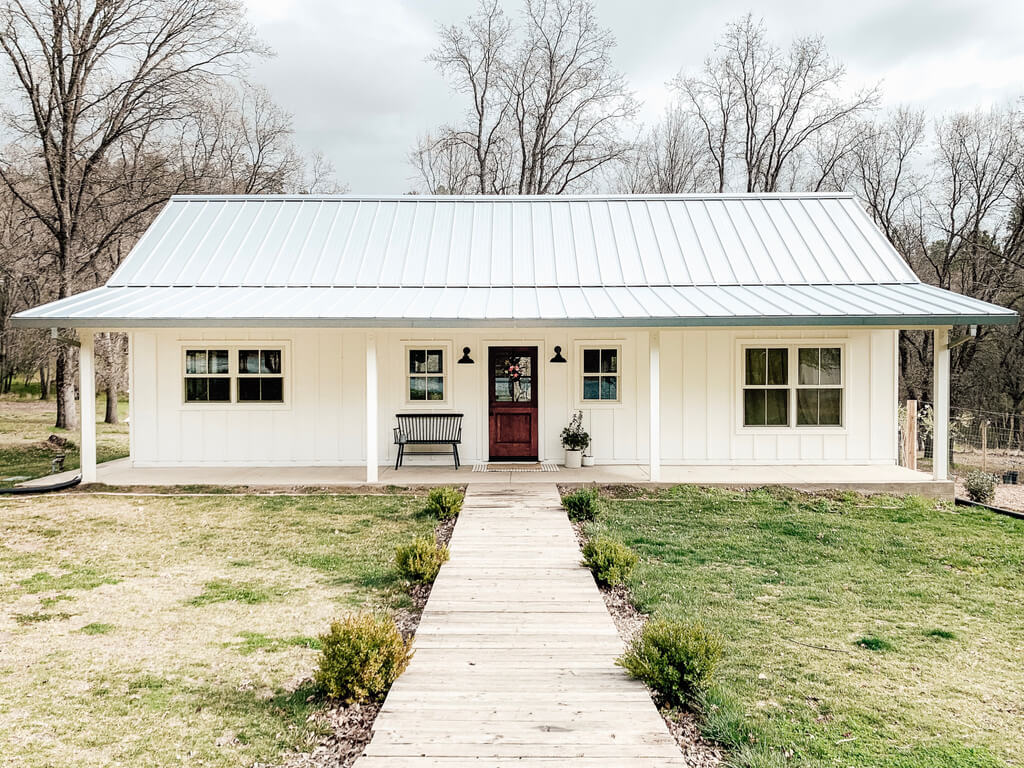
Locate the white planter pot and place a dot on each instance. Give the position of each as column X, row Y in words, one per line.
column 588, row 461
column 573, row 459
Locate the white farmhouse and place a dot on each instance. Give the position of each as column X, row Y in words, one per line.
column 705, row 337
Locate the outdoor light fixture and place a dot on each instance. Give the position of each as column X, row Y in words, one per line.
column 466, row 359
column 558, row 355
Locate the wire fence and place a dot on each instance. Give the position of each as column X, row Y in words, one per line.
column 987, row 440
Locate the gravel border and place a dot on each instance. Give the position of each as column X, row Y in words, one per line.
column 350, row 727
column 697, row 751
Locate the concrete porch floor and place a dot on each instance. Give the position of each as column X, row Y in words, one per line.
column 852, row 477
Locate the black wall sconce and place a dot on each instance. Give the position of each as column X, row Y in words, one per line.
column 558, row 356
column 466, row 359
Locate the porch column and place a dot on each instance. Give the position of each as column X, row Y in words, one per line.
column 940, row 405
column 87, row 391
column 372, row 421
column 655, row 407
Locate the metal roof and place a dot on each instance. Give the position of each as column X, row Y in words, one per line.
column 625, row 260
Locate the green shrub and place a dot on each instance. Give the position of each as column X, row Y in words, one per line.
column 609, row 560
column 981, row 486
column 675, row 659
column 360, row 657
column 581, row 505
column 421, row 559
column 444, row 503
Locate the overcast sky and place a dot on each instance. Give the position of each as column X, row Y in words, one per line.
column 353, row 74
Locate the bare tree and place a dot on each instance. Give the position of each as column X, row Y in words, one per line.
column 762, row 110
column 671, row 158
column 548, row 107
column 91, row 78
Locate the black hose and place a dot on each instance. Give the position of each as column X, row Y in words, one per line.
column 63, row 486
column 989, row 507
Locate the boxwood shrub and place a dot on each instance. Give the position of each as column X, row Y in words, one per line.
column 609, row 560
column 675, row 659
column 421, row 559
column 360, row 657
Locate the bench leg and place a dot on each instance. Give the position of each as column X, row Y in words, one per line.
column 398, row 458
column 455, row 453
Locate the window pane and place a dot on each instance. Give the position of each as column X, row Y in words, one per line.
column 218, row 361
column 753, row 407
column 220, row 390
column 435, row 388
column 417, row 361
column 195, row 390
column 778, row 364
column 831, row 366
column 591, row 361
column 609, row 361
column 776, row 411
column 807, row 407
column 270, row 361
column 830, row 408
column 417, row 388
column 195, row 361
column 248, row 361
column 434, row 361
column 248, row 390
column 272, row 390
column 523, row 390
column 756, row 365
column 591, row 387
column 609, row 387
column 808, row 359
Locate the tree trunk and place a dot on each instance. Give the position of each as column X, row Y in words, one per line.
column 111, row 415
column 44, row 381
column 67, row 413
column 112, row 360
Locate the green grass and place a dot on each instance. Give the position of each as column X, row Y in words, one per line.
column 222, row 591
column 26, row 423
column 183, row 626
column 858, row 631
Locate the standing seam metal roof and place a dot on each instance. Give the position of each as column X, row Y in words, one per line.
column 652, row 260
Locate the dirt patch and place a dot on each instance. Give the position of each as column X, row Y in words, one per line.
column 697, row 751
column 351, row 728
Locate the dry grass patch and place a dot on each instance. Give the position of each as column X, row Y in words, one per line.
column 152, row 631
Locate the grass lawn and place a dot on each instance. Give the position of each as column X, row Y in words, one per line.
column 159, row 631
column 26, row 422
column 858, row 631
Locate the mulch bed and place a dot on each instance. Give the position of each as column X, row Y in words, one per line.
column 350, row 727
column 697, row 751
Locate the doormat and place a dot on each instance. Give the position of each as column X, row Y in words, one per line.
column 526, row 466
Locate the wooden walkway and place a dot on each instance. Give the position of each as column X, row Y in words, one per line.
column 515, row 653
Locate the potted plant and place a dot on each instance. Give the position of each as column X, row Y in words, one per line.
column 574, row 439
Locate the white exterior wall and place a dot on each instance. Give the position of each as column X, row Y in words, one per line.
column 322, row 421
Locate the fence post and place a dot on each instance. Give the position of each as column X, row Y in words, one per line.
column 910, row 436
column 984, row 445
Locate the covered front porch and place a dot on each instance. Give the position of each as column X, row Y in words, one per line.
column 861, row 478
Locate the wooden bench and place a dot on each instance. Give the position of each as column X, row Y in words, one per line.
column 428, row 429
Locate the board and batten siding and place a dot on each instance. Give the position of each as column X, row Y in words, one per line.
column 322, row 421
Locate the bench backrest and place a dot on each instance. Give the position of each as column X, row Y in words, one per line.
column 435, row 427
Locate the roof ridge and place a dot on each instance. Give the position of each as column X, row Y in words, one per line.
column 410, row 198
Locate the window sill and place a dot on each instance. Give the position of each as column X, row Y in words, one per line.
column 798, row 431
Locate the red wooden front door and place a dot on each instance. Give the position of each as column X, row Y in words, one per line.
column 512, row 381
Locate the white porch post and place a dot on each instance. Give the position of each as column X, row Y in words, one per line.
column 940, row 405
column 655, row 406
column 371, row 408
column 87, row 391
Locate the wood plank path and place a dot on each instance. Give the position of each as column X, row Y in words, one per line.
column 515, row 655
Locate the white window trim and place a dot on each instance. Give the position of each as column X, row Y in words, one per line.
column 792, row 345
column 585, row 344
column 233, row 347
column 446, row 373
column 185, row 376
